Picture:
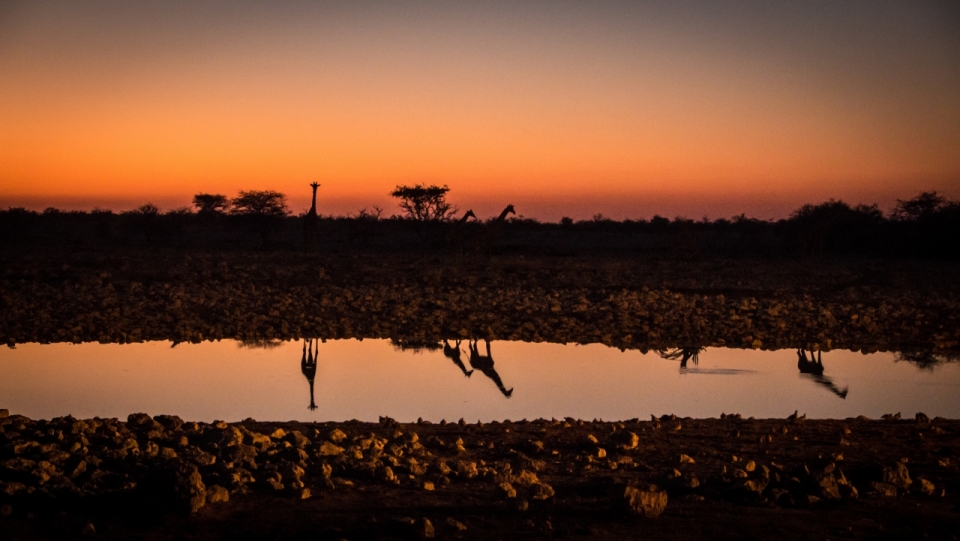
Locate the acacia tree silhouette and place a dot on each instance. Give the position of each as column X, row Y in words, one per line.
column 263, row 208
column 259, row 203
column 425, row 203
column 208, row 204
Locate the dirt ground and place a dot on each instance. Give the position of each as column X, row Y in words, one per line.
column 727, row 478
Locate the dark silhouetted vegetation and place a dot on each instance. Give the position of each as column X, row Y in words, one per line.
column 259, row 203
column 926, row 226
column 424, row 203
column 206, row 203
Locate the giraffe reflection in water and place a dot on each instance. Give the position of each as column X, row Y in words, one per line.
column 308, row 365
column 484, row 363
column 684, row 354
column 453, row 353
column 813, row 367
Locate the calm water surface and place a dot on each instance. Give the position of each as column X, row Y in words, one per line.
column 355, row 379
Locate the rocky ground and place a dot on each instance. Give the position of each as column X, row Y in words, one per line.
column 162, row 478
column 631, row 303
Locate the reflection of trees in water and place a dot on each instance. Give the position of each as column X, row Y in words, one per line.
column 260, row 343
column 813, row 367
column 925, row 359
column 682, row 354
column 415, row 346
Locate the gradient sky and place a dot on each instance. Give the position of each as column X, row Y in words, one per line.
column 563, row 108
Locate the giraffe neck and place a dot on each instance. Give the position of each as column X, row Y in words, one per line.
column 313, row 204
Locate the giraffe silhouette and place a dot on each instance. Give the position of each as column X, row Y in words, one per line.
column 484, row 363
column 493, row 230
column 453, row 353
column 684, row 354
column 310, row 222
column 308, row 365
column 813, row 367
column 456, row 231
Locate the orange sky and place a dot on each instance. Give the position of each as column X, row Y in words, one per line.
column 560, row 108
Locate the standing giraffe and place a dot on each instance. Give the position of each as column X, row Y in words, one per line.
column 308, row 365
column 493, row 229
column 310, row 223
column 456, row 231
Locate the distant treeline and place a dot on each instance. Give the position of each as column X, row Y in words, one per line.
column 927, row 226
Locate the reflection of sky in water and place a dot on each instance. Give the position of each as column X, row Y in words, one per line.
column 365, row 379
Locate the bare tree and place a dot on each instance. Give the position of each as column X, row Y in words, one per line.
column 424, row 203
column 260, row 203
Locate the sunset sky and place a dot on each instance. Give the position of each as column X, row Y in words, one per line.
column 629, row 109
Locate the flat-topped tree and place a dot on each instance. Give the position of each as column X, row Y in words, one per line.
column 263, row 208
column 424, row 203
column 208, row 204
column 259, row 203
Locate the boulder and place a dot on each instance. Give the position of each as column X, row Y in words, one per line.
column 217, row 494
column 926, row 487
column 897, row 476
column 883, row 490
column 329, row 449
column 647, row 501
column 542, row 491
column 506, row 491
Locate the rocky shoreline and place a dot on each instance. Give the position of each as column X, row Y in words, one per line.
column 866, row 305
column 162, row 477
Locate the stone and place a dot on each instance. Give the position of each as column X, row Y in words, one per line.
column 542, row 491
column 336, row 435
column 647, row 501
column 750, row 466
column 4, row 413
column 506, row 491
column 829, row 489
column 466, row 468
column 169, row 422
column 897, row 476
column 217, row 494
column 461, row 527
column 754, row 485
column 686, row 459
column 426, row 529
column 329, row 449
column 526, row 478
column 428, row 486
column 926, row 487
column 884, row 490
column 231, row 436
column 88, row 529
column 626, row 440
